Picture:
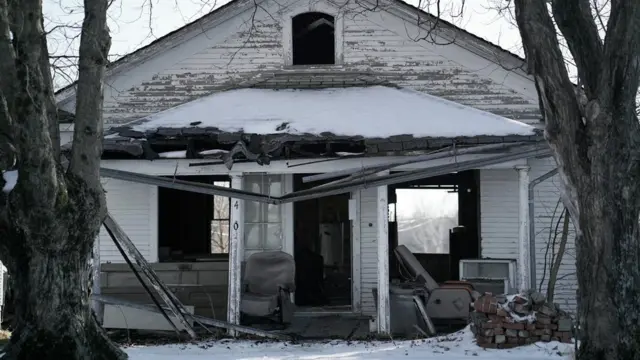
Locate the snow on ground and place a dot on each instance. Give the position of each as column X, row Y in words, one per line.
column 457, row 346
column 375, row 111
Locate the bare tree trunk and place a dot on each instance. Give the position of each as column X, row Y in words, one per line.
column 50, row 220
column 53, row 315
column 596, row 144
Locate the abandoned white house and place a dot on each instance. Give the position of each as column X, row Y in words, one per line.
column 260, row 96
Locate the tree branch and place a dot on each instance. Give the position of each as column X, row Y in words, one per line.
column 621, row 46
column 7, row 55
column 49, row 96
column 7, row 84
column 555, row 268
column 38, row 178
column 575, row 21
column 565, row 128
column 87, row 138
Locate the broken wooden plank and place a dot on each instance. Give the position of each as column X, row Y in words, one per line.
column 119, row 237
column 204, row 320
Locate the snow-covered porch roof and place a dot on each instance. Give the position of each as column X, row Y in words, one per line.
column 368, row 112
column 298, row 115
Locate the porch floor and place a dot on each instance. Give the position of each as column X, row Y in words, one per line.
column 332, row 326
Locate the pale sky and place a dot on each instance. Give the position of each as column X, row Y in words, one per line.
column 130, row 21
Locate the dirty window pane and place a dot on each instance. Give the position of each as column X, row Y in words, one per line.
column 263, row 236
column 221, row 204
column 424, row 218
column 252, row 235
column 263, row 230
column 220, row 236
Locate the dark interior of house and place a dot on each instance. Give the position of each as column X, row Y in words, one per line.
column 185, row 222
column 322, row 249
column 313, row 39
column 463, row 239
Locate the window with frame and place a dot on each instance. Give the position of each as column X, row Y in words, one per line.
column 193, row 226
column 424, row 217
column 313, row 39
column 220, row 221
column 263, row 222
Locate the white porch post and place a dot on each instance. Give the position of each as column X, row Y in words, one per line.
column 384, row 320
column 236, row 240
column 523, row 238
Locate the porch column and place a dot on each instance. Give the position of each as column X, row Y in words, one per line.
column 383, row 321
column 236, row 239
column 523, row 236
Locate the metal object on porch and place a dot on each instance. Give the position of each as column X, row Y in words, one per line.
column 269, row 280
column 497, row 274
column 450, row 301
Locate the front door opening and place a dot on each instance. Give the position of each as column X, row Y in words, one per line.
column 322, row 250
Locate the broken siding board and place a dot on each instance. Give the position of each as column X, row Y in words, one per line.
column 134, row 206
column 546, row 195
column 499, row 213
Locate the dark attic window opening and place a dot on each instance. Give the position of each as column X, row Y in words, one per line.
column 313, row 39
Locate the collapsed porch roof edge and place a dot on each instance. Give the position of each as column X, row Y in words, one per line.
column 392, row 179
column 322, row 191
column 190, row 186
column 439, row 154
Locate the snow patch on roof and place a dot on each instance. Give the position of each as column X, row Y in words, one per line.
column 371, row 112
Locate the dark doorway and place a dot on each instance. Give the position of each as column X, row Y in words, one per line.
column 313, row 39
column 322, row 250
column 438, row 220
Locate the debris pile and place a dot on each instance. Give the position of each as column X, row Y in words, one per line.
column 507, row 321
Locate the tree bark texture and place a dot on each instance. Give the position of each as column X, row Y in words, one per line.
column 50, row 220
column 595, row 135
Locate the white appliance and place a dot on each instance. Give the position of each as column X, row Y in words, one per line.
column 497, row 271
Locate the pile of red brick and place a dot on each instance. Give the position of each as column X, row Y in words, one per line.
column 509, row 321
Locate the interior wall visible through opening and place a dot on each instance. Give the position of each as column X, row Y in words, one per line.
column 322, row 250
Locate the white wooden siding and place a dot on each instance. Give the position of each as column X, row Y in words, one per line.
column 546, row 196
column 238, row 50
column 135, row 208
column 368, row 249
column 499, row 213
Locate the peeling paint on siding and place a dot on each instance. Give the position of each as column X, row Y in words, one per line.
column 367, row 47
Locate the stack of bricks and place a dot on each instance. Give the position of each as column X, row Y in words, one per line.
column 509, row 321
